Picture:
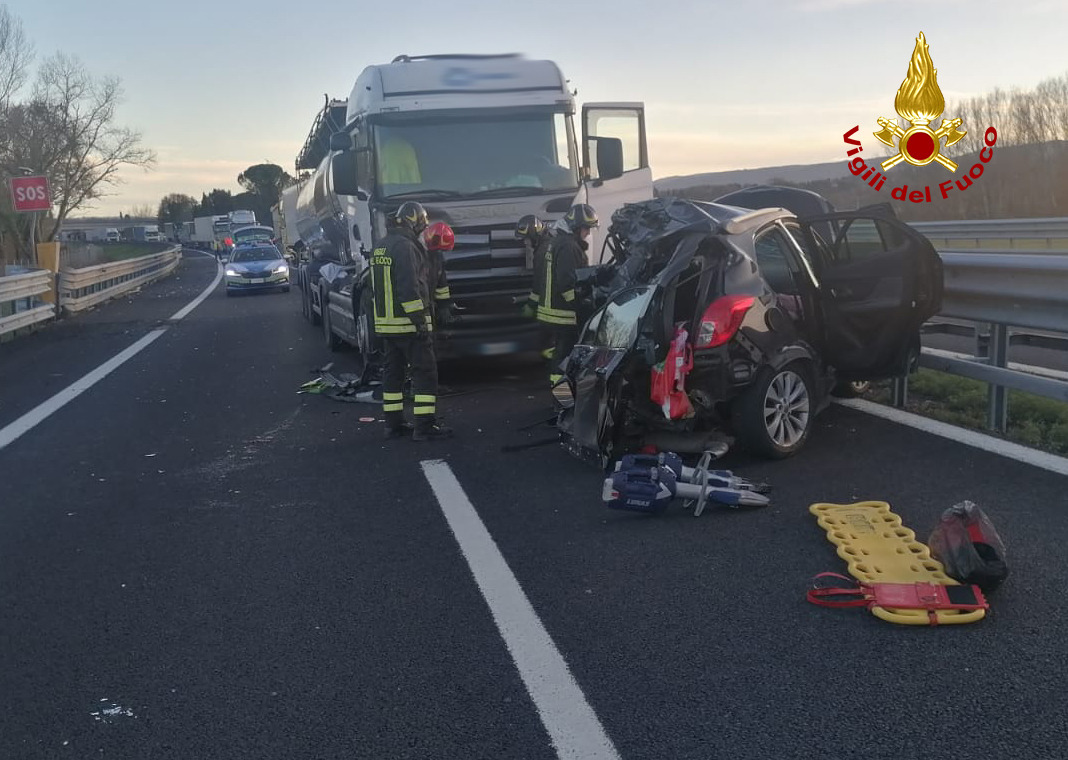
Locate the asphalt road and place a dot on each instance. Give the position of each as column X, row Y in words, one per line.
column 198, row 562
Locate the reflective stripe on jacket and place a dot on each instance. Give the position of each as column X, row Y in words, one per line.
column 556, row 296
column 399, row 292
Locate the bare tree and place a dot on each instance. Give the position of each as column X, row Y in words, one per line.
column 83, row 148
column 16, row 52
column 142, row 211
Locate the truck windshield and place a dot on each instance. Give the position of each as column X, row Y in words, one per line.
column 475, row 155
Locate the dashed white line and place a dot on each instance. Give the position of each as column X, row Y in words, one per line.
column 1007, row 449
column 12, row 431
column 573, row 727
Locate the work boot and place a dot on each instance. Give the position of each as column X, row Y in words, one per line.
column 430, row 430
column 399, row 431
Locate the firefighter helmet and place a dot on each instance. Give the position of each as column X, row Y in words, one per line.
column 439, row 237
column 530, row 228
column 581, row 215
column 411, row 215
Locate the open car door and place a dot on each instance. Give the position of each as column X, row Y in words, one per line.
column 879, row 281
column 615, row 154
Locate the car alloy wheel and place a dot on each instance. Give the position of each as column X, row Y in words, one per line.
column 772, row 417
column 786, row 409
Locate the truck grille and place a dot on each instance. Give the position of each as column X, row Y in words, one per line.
column 487, row 268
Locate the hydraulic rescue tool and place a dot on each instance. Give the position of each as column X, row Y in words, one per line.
column 650, row 482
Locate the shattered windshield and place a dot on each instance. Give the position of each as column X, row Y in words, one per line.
column 617, row 326
column 486, row 155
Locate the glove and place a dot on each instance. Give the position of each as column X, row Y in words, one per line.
column 419, row 320
column 446, row 313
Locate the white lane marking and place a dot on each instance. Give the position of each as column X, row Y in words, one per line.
column 184, row 311
column 977, row 440
column 12, row 431
column 573, row 728
column 46, row 409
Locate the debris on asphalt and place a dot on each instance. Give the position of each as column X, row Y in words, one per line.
column 343, row 387
column 367, row 419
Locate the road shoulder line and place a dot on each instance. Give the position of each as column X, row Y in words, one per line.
column 14, row 430
column 972, row 438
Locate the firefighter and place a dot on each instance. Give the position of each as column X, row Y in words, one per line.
column 556, row 291
column 438, row 238
column 402, row 317
column 536, row 239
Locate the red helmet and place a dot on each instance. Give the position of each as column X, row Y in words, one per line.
column 439, row 237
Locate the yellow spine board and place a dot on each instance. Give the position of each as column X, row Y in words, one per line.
column 880, row 549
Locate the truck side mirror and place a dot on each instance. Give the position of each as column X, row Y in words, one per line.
column 340, row 141
column 343, row 174
column 609, row 157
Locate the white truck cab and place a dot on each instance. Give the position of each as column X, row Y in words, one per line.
column 480, row 141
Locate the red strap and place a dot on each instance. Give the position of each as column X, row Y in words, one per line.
column 824, row 596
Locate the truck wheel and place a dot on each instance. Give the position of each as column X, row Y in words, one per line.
column 331, row 340
column 315, row 318
column 305, row 309
column 774, row 415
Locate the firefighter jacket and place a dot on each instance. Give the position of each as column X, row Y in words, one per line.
column 436, row 283
column 399, row 284
column 538, row 260
column 556, row 296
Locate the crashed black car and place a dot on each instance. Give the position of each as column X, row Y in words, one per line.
column 753, row 309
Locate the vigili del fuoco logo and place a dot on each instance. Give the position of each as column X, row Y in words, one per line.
column 920, row 101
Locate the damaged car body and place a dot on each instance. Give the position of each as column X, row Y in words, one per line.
column 737, row 319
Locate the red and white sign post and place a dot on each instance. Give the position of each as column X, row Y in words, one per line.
column 30, row 195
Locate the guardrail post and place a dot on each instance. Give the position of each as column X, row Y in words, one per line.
column 998, row 395
column 899, row 392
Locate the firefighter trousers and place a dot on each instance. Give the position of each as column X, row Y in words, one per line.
column 563, row 340
column 417, row 352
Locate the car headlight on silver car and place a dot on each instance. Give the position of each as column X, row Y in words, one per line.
column 281, row 269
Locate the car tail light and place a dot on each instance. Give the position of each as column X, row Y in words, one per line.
column 722, row 319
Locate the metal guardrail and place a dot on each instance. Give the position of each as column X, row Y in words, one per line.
column 1005, row 288
column 1051, row 231
column 19, row 300
column 82, row 288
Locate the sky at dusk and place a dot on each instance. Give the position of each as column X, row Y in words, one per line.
column 217, row 86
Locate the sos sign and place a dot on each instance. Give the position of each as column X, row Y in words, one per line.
column 30, row 193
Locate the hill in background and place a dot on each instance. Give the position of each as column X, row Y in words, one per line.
column 1020, row 181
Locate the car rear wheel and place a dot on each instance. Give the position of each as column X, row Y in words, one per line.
column 773, row 417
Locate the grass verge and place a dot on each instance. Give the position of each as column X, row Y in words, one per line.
column 1034, row 421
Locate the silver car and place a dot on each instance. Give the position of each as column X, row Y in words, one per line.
column 256, row 267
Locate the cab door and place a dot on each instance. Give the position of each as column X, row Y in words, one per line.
column 879, row 281
column 615, row 158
